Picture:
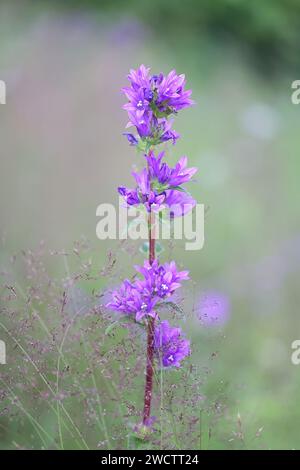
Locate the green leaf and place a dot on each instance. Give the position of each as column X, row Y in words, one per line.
column 144, row 248
column 142, row 145
column 159, row 248
column 178, row 188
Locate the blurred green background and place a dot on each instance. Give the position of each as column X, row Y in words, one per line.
column 63, row 153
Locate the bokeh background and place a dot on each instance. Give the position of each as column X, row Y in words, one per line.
column 63, row 153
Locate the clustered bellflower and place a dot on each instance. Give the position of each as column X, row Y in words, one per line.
column 139, row 298
column 170, row 344
column 152, row 102
column 158, row 186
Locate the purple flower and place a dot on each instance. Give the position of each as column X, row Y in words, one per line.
column 138, row 101
column 150, row 128
column 170, row 345
column 140, row 297
column 143, row 181
column 151, row 100
column 143, row 194
column 131, row 138
column 129, row 299
column 151, row 201
column 179, row 203
column 165, row 132
column 123, row 298
column 158, row 187
column 143, row 430
column 139, row 78
column 130, row 195
column 167, row 176
column 160, row 93
column 171, row 93
column 213, row 309
column 142, row 122
column 160, row 280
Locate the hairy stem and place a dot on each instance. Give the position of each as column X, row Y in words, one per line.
column 150, row 334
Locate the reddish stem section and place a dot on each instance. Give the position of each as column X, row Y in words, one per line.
column 150, row 336
column 151, row 238
column 149, row 372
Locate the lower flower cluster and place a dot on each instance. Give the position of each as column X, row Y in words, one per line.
column 170, row 345
column 142, row 297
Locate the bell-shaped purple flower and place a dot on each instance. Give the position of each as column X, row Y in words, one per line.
column 130, row 300
column 170, row 345
column 139, row 78
column 141, row 121
column 123, row 298
column 167, row 176
column 151, row 100
column 130, row 196
column 179, row 203
column 171, row 92
column 138, row 101
column 158, row 187
column 166, row 132
column 131, row 138
column 160, row 280
column 140, row 297
column 143, row 193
